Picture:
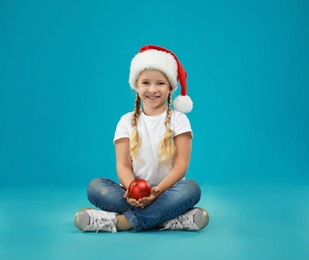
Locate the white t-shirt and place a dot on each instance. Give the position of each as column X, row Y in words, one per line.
column 151, row 129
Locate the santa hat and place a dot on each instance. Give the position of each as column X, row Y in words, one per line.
column 158, row 58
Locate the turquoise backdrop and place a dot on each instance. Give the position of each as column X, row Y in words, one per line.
column 64, row 69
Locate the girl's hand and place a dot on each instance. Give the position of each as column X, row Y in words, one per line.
column 143, row 202
column 133, row 202
column 154, row 194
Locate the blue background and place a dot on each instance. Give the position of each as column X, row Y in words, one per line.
column 64, row 71
column 64, row 68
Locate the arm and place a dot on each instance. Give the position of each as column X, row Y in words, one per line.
column 123, row 163
column 183, row 144
column 124, row 168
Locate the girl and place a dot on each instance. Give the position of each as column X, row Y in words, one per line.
column 154, row 144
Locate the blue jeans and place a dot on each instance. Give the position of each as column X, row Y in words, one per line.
column 108, row 195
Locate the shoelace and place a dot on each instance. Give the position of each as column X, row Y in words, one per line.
column 100, row 223
column 181, row 222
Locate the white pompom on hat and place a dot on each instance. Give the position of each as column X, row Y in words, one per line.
column 158, row 58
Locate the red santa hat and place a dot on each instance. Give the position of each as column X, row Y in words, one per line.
column 158, row 58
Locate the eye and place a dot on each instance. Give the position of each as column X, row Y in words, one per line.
column 145, row 82
column 161, row 83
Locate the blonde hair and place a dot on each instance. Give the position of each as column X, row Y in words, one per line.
column 166, row 148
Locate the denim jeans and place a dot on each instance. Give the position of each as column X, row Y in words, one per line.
column 108, row 195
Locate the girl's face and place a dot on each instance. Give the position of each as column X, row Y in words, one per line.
column 153, row 88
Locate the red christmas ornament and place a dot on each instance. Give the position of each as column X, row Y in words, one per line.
column 138, row 189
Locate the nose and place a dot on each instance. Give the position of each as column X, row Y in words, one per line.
column 152, row 88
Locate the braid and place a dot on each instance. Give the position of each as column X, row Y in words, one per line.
column 167, row 147
column 135, row 140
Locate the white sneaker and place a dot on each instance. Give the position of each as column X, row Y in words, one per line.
column 96, row 220
column 193, row 219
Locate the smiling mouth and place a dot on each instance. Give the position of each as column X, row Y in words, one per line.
column 153, row 97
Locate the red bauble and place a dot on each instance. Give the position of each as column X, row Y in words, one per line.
column 138, row 189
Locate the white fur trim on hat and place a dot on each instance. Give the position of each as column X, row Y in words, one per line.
column 156, row 60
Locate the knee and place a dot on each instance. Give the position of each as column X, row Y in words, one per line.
column 192, row 187
column 190, row 183
column 95, row 186
column 95, row 181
